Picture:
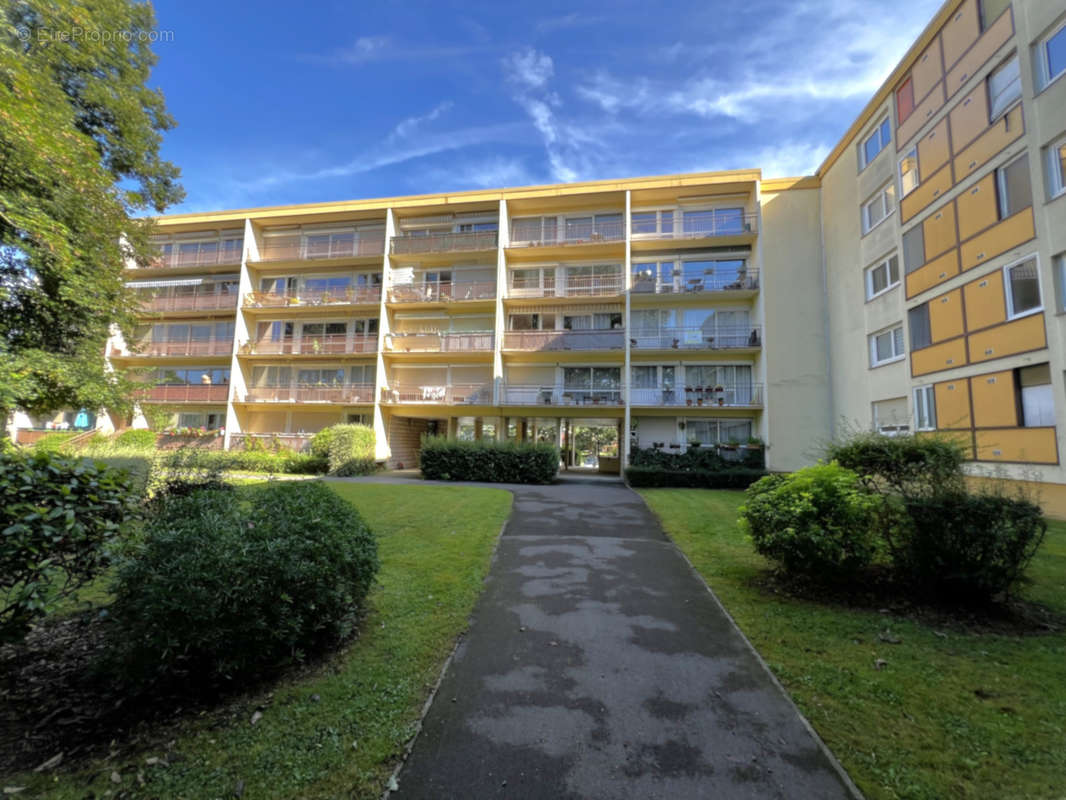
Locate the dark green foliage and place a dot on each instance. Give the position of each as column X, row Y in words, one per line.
column 703, row 458
column 819, row 522
column 906, row 465
column 488, row 461
column 967, row 546
column 136, row 439
column 282, row 462
column 351, row 450
column 656, row 477
column 321, row 441
column 57, row 516
column 224, row 587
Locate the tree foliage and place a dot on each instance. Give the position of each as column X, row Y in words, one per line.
column 80, row 133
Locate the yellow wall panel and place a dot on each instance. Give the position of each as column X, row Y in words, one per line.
column 927, row 71
column 933, row 273
column 939, row 231
column 969, row 118
column 945, row 316
column 998, row 239
column 952, row 404
column 985, row 303
column 962, row 438
column 995, row 404
column 1020, row 336
column 927, row 192
column 972, row 62
column 976, row 207
column 933, row 150
column 1022, row 445
column 960, row 32
column 993, row 139
column 925, row 109
column 939, row 357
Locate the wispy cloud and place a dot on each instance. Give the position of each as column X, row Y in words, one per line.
column 369, row 49
column 529, row 69
column 407, row 127
column 487, row 173
column 571, row 20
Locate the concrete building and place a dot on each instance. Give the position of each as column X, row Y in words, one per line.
column 916, row 282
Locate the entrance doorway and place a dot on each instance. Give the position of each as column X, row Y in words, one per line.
column 593, row 445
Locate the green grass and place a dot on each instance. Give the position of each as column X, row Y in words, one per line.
column 435, row 545
column 916, row 728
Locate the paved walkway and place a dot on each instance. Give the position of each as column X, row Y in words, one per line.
column 598, row 665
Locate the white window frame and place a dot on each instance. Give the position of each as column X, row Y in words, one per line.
column 888, row 208
column 995, row 115
column 1058, row 265
column 1044, row 78
column 884, row 262
column 925, row 408
column 1056, row 181
column 876, row 132
column 903, row 192
column 1007, row 294
column 896, row 429
column 872, row 340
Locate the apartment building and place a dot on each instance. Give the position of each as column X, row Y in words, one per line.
column 915, row 282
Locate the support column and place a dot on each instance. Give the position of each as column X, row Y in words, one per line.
column 623, row 440
column 382, row 451
column 238, row 389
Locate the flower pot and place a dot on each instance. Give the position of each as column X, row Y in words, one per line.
column 721, row 401
column 688, row 401
column 699, row 401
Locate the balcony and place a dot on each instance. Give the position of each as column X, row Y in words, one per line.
column 200, row 258
column 595, row 286
column 352, row 295
column 180, row 298
column 747, row 281
column 710, row 224
column 532, row 395
column 187, row 347
column 748, row 337
column 187, row 393
column 443, row 291
column 331, row 344
column 337, row 393
column 569, row 234
column 297, row 442
column 300, row 248
column 475, row 341
column 439, row 394
column 464, row 242
column 747, row 395
column 550, row 341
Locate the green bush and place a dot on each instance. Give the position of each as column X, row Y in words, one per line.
column 53, row 442
column 226, row 586
column 820, row 522
column 656, row 477
column 705, row 459
column 321, row 441
column 282, row 462
column 488, row 461
column 967, row 546
column 57, row 516
column 905, row 465
column 136, row 439
column 351, row 450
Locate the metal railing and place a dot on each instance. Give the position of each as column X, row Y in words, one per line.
column 179, row 298
column 188, row 347
column 475, row 341
column 199, row 259
column 297, row 248
column 564, row 340
column 352, row 295
column 718, row 222
column 537, row 395
column 346, row 393
column 589, row 233
column 748, row 395
column 720, row 338
column 188, row 393
column 466, row 241
column 444, row 291
column 736, row 282
column 571, row 286
column 297, row 442
column 438, row 394
column 327, row 344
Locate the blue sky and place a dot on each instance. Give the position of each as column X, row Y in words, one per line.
column 280, row 103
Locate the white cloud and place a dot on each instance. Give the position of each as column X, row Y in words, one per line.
column 529, row 69
column 489, row 173
column 365, row 48
column 408, row 126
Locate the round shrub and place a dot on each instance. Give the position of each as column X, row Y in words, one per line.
column 134, row 439
column 819, row 522
column 351, row 450
column 225, row 586
column 321, row 441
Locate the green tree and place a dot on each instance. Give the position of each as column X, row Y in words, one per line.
column 79, row 169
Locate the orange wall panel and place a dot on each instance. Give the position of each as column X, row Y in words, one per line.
column 945, row 316
column 927, row 192
column 927, row 70
column 976, row 207
column 998, row 239
column 939, row 357
column 991, row 141
column 960, row 32
column 995, row 404
column 952, row 404
column 1020, row 336
column 933, row 150
column 939, row 232
column 925, row 109
column 969, row 117
column 974, row 60
column 1020, row 445
column 985, row 303
column 935, row 272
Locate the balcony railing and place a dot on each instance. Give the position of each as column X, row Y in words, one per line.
column 596, row 286
column 464, row 242
column 747, row 395
column 206, row 258
column 296, row 248
column 719, row 222
column 445, row 291
column 736, row 282
column 345, row 393
column 188, row 393
column 439, row 394
column 188, row 347
column 533, row 395
column 179, row 298
column 720, row 338
column 589, row 233
column 476, row 341
column 329, row 344
column 352, row 295
column 564, row 340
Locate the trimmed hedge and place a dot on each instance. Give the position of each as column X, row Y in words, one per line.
column 488, row 461
column 282, row 462
column 351, row 450
column 703, row 458
column 908, row 465
column 656, row 477
column 136, row 439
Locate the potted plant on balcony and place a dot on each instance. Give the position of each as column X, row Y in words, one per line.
column 720, row 390
column 699, row 395
column 688, row 395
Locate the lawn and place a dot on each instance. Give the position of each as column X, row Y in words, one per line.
column 338, row 731
column 951, row 713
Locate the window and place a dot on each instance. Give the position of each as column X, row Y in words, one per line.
column 882, row 277
column 1051, row 56
column 644, row 377
column 886, row 346
column 913, row 249
column 875, row 143
column 990, row 11
column 921, row 331
column 1004, row 88
column 908, row 172
column 1013, row 187
column 713, row 222
column 1056, row 169
column 200, row 419
column 717, row 431
column 652, row 223
column 1038, row 400
column 924, row 408
column 1023, row 288
column 877, row 209
column 891, row 417
column 904, row 101
column 1059, row 266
